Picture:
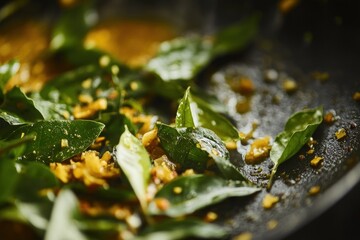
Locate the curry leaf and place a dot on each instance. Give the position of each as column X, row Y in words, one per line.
column 298, row 130
column 72, row 26
column 135, row 163
column 8, row 146
column 182, row 148
column 34, row 177
column 18, row 108
column 49, row 110
column 194, row 147
column 62, row 223
column 100, row 227
column 70, row 84
column 10, row 8
column 181, row 58
column 196, row 192
column 115, row 126
column 236, row 37
column 36, row 213
column 57, row 140
column 195, row 112
column 175, row 229
column 8, row 179
column 7, row 70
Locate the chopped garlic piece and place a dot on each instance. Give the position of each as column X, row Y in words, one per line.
column 211, row 216
column 314, row 190
column 64, row 143
column 269, row 201
column 340, row 133
column 244, row 236
column 316, row 161
column 259, row 150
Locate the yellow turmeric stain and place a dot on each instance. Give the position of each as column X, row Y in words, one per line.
column 133, row 42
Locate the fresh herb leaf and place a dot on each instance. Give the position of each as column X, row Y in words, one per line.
column 57, row 140
column 135, row 162
column 185, row 112
column 37, row 213
column 100, row 228
column 72, row 26
column 193, row 148
column 34, row 177
column 19, row 109
column 182, row 148
column 180, row 59
column 115, row 126
column 62, row 223
column 236, row 36
column 183, row 58
column 49, row 110
column 175, row 229
column 196, row 192
column 195, row 112
column 8, row 146
column 7, row 70
column 298, row 130
column 8, row 179
column 70, row 84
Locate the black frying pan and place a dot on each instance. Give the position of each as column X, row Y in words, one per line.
column 315, row 36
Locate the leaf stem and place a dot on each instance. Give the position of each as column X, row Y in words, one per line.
column 271, row 179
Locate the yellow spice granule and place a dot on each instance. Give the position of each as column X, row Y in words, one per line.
column 258, row 151
column 271, row 224
column 289, row 85
column 162, row 203
column 177, row 190
column 244, row 236
column 316, row 161
column 210, row 217
column 340, row 133
column 314, row 190
column 329, row 117
column 356, row 96
column 269, row 201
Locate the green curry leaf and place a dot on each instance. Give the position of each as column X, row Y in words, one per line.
column 183, row 58
column 7, row 70
column 236, row 36
column 195, row 112
column 8, row 179
column 298, row 130
column 196, row 192
column 34, row 177
column 62, row 223
column 72, row 26
column 194, row 148
column 175, row 229
column 57, row 140
column 180, row 59
column 18, row 108
column 135, row 162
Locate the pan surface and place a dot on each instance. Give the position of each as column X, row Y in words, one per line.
column 314, row 37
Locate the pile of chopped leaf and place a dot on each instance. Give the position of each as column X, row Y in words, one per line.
column 92, row 156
